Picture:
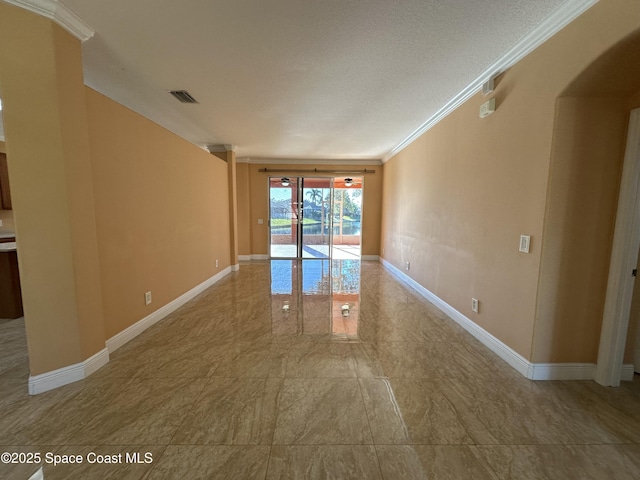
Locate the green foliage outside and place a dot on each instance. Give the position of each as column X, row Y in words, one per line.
column 314, row 199
column 285, row 222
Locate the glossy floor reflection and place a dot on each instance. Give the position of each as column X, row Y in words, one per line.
column 316, row 369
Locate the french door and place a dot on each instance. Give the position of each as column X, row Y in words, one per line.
column 301, row 214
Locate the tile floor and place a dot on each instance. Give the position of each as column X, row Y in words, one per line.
column 314, row 370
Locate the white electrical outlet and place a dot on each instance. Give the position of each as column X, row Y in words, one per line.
column 0, row 223
column 475, row 305
column 408, row 265
column 216, row 263
column 260, row 221
column 147, row 298
column 525, row 242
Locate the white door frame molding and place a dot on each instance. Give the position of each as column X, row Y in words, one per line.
column 624, row 258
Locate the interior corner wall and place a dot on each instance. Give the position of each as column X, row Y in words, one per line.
column 45, row 123
column 162, row 210
column 259, row 204
column 244, row 209
column 584, row 179
column 456, row 201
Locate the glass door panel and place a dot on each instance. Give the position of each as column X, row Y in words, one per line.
column 317, row 219
column 284, row 216
column 347, row 218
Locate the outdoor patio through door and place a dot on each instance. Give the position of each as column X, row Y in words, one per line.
column 315, row 217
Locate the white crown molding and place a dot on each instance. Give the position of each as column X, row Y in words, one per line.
column 532, row 371
column 555, row 22
column 59, row 13
column 302, row 161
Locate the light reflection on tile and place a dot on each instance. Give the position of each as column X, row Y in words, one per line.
column 318, row 368
column 427, row 462
column 321, row 411
column 413, row 412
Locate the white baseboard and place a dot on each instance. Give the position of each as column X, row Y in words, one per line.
column 63, row 376
column 628, row 371
column 255, row 256
column 562, row 371
column 235, row 268
column 374, row 258
column 66, row 375
column 532, row 371
column 140, row 326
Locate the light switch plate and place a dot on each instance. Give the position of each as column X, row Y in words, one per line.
column 525, row 241
column 260, row 221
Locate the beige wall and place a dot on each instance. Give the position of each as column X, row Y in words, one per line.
column 582, row 197
column 107, row 204
column 455, row 204
column 162, row 211
column 457, row 199
column 244, row 209
column 47, row 147
column 253, row 190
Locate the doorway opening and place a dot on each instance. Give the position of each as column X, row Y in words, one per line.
column 315, row 217
column 624, row 257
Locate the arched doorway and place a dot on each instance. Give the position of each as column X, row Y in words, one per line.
column 603, row 102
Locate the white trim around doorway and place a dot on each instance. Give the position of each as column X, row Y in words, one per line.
column 624, row 258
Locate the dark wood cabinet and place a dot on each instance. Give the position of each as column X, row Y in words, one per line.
column 5, row 191
column 10, row 295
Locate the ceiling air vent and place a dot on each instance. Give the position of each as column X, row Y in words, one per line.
column 183, row 96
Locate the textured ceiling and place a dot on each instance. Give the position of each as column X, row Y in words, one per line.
column 331, row 79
